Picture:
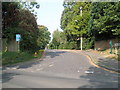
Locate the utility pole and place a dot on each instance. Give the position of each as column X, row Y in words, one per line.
column 81, row 16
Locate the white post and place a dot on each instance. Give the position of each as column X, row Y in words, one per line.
column 81, row 42
column 80, row 11
column 81, row 16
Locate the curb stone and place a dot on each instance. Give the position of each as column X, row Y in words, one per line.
column 103, row 66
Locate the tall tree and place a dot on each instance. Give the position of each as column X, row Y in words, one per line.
column 73, row 23
column 104, row 21
column 16, row 20
column 56, row 38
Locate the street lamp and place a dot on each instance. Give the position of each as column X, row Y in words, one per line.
column 81, row 16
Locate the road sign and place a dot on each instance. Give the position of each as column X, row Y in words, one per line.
column 18, row 36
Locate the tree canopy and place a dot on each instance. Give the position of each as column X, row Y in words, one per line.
column 104, row 20
column 20, row 18
column 91, row 20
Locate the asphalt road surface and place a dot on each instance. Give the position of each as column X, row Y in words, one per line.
column 58, row 69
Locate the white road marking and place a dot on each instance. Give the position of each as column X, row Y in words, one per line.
column 89, row 72
column 39, row 69
column 50, row 65
column 14, row 68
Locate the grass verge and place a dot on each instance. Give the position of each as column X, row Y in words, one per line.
column 9, row 58
column 110, row 56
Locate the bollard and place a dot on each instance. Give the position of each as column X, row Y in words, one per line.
column 35, row 54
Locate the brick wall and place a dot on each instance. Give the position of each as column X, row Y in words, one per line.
column 104, row 44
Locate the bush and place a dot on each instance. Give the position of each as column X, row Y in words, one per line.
column 70, row 45
column 88, row 43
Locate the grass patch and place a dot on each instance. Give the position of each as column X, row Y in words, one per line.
column 110, row 56
column 15, row 57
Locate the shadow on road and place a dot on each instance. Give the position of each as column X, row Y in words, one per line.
column 24, row 65
column 8, row 76
column 100, row 79
column 54, row 53
column 51, row 53
column 109, row 63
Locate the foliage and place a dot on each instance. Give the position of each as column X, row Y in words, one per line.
column 29, row 32
column 51, row 46
column 99, row 21
column 74, row 22
column 19, row 18
column 56, row 38
column 59, row 41
column 43, row 37
column 10, row 12
column 104, row 21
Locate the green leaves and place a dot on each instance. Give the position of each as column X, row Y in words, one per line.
column 105, row 20
column 72, row 23
column 99, row 19
column 19, row 18
column 43, row 37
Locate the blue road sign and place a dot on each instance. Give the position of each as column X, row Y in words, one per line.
column 18, row 36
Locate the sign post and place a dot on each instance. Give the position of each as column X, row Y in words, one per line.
column 110, row 43
column 18, row 37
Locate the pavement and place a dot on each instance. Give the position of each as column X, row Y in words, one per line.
column 58, row 69
column 102, row 61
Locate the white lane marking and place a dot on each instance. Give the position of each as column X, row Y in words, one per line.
column 50, row 65
column 89, row 72
column 39, row 69
column 14, row 68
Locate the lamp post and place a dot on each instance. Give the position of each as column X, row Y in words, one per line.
column 81, row 16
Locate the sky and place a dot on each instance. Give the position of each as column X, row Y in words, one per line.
column 49, row 14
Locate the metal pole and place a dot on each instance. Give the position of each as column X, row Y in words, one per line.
column 18, row 46
column 81, row 16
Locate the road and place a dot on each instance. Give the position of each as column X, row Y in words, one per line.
column 59, row 69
